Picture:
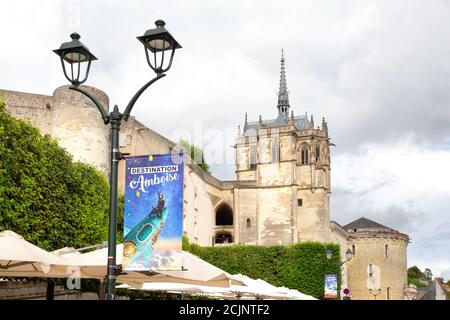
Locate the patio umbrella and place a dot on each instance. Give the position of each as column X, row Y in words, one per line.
column 195, row 270
column 253, row 289
column 20, row 258
column 261, row 289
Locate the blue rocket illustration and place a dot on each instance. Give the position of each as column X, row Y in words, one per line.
column 145, row 234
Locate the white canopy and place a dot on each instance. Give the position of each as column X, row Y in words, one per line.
column 251, row 289
column 195, row 270
column 20, row 258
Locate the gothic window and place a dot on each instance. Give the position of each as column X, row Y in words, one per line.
column 275, row 151
column 248, row 223
column 317, row 153
column 253, row 158
column 304, row 154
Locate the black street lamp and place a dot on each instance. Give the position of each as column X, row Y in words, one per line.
column 157, row 40
column 348, row 257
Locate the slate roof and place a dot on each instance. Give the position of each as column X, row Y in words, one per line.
column 301, row 123
column 364, row 223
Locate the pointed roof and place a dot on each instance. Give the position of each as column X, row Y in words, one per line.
column 283, row 94
column 364, row 223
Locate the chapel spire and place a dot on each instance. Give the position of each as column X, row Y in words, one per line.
column 283, row 94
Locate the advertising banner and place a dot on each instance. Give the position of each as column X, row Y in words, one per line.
column 331, row 286
column 153, row 217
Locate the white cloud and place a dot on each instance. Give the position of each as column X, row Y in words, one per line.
column 378, row 71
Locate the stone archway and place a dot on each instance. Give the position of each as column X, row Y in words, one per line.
column 224, row 215
column 224, row 224
column 223, row 237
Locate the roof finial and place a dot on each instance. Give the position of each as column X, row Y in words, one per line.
column 324, row 125
column 283, row 94
column 312, row 122
column 245, row 123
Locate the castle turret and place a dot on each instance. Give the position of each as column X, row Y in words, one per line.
column 79, row 128
column 378, row 267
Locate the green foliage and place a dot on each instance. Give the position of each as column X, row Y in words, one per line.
column 414, row 272
column 120, row 218
column 299, row 266
column 196, row 154
column 47, row 198
column 417, row 282
column 414, row 277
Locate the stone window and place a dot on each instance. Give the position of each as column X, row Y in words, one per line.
column 354, row 250
column 275, row 150
column 304, row 154
column 300, row 202
column 195, row 230
column 253, row 158
column 386, row 251
column 249, row 225
column 317, row 153
column 370, row 271
column 388, row 293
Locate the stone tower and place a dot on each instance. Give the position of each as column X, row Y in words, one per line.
column 79, row 128
column 287, row 161
column 379, row 261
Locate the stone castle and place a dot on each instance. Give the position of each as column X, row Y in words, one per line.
column 281, row 194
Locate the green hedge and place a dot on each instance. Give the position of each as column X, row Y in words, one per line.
column 299, row 266
column 45, row 196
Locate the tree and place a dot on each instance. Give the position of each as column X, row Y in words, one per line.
column 45, row 196
column 196, row 154
column 427, row 274
column 414, row 272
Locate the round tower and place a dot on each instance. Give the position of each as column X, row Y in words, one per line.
column 378, row 269
column 79, row 128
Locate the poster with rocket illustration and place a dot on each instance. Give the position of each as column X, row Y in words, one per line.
column 153, row 217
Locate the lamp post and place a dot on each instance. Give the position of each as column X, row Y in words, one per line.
column 348, row 257
column 375, row 292
column 75, row 55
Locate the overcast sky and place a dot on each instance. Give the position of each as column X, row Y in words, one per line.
column 379, row 71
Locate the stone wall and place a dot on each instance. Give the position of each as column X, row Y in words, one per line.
column 33, row 107
column 372, row 268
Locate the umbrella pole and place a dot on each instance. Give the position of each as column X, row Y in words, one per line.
column 101, row 290
column 50, row 289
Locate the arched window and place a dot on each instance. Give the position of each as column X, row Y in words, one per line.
column 223, row 238
column 248, row 223
column 304, row 154
column 317, row 153
column 275, row 150
column 253, row 158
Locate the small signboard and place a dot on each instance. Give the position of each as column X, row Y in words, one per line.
column 153, row 217
column 331, row 286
